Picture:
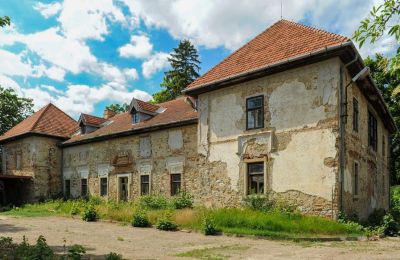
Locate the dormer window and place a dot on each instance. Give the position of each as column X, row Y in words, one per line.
column 89, row 123
column 135, row 117
column 142, row 111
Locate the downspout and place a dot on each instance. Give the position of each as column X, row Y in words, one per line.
column 342, row 126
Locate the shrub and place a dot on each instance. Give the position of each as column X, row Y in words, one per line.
column 166, row 224
column 209, row 227
column 39, row 251
column 183, row 200
column 258, row 202
column 140, row 220
column 6, row 242
column 76, row 252
column 113, row 256
column 74, row 209
column 390, row 225
column 89, row 214
column 376, row 217
column 153, row 202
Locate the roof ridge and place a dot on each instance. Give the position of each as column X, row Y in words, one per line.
column 40, row 116
column 62, row 111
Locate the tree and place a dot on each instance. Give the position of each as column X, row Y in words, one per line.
column 387, row 81
column 13, row 109
column 185, row 67
column 5, row 20
column 383, row 20
column 118, row 108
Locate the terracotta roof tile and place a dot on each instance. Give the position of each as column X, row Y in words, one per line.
column 175, row 111
column 49, row 120
column 281, row 41
column 147, row 106
column 92, row 120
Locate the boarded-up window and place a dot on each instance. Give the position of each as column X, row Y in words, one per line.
column 356, row 179
column 18, row 161
column 145, row 147
column 84, row 188
column 355, row 115
column 103, row 186
column 144, row 184
column 175, row 184
column 255, row 178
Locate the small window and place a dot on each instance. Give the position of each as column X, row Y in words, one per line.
column 103, row 186
column 18, row 161
column 255, row 178
column 84, row 187
column 383, row 146
column 175, row 184
column 356, row 179
column 372, row 132
column 355, row 115
column 135, row 117
column 144, row 184
column 255, row 112
column 67, row 188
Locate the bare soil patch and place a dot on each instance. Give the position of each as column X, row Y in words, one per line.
column 100, row 238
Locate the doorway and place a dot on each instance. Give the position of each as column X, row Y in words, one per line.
column 123, row 188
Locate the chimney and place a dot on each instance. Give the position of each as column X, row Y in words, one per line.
column 108, row 113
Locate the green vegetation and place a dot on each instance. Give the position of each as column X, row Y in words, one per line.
column 278, row 222
column 140, row 219
column 118, row 108
column 89, row 214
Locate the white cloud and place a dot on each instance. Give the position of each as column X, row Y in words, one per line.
column 155, row 63
column 140, row 47
column 7, row 82
column 12, row 65
column 52, row 89
column 55, row 73
column 48, row 10
column 131, row 74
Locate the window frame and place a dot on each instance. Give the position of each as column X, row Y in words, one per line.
column 101, row 187
column 172, row 182
column 135, row 117
column 253, row 109
column 144, row 183
column 86, row 189
column 383, row 146
column 248, row 175
column 67, row 192
column 356, row 179
column 372, row 131
column 356, row 115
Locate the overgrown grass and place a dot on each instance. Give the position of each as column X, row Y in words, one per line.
column 213, row 253
column 229, row 220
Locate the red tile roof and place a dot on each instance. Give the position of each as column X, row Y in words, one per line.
column 49, row 120
column 147, row 106
column 92, row 120
column 281, row 41
column 175, row 111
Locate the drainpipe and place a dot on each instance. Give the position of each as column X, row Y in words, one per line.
column 342, row 126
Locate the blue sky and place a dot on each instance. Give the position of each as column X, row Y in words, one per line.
column 83, row 55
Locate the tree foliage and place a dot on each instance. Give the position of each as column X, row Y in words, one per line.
column 387, row 81
column 13, row 109
column 5, row 20
column 118, row 108
column 382, row 20
column 185, row 66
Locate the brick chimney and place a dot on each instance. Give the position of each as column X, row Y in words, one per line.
column 108, row 113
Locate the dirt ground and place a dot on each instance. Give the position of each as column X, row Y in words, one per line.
column 100, row 238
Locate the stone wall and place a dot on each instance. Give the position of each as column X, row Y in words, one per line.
column 298, row 144
column 373, row 178
column 36, row 157
column 157, row 154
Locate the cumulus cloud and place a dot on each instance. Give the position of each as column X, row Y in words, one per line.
column 48, row 10
column 139, row 47
column 155, row 63
column 131, row 74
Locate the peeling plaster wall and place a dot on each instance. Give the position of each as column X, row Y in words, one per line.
column 298, row 142
column 158, row 154
column 373, row 165
column 39, row 158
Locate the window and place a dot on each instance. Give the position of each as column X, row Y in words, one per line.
column 175, row 184
column 103, row 186
column 255, row 112
column 144, row 184
column 135, row 117
column 18, row 161
column 383, row 146
column 372, row 131
column 356, row 179
column 355, row 115
column 84, row 189
column 67, row 188
column 255, row 178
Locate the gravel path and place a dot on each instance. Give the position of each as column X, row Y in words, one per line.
column 100, row 238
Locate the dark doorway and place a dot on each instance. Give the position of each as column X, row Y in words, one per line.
column 15, row 191
column 123, row 188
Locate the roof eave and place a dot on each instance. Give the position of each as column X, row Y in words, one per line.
column 23, row 135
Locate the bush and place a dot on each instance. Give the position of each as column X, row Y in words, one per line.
column 258, row 202
column 89, row 214
column 76, row 252
column 183, row 200
column 167, row 225
column 390, row 225
column 74, row 209
column 140, row 220
column 39, row 251
column 113, row 256
column 209, row 227
column 376, row 218
column 153, row 202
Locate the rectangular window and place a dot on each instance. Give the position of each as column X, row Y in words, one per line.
column 255, row 178
column 144, row 184
column 372, row 131
column 67, row 188
column 18, row 161
column 383, row 146
column 255, row 112
column 175, row 184
column 356, row 179
column 103, row 186
column 135, row 117
column 84, row 189
column 355, row 115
